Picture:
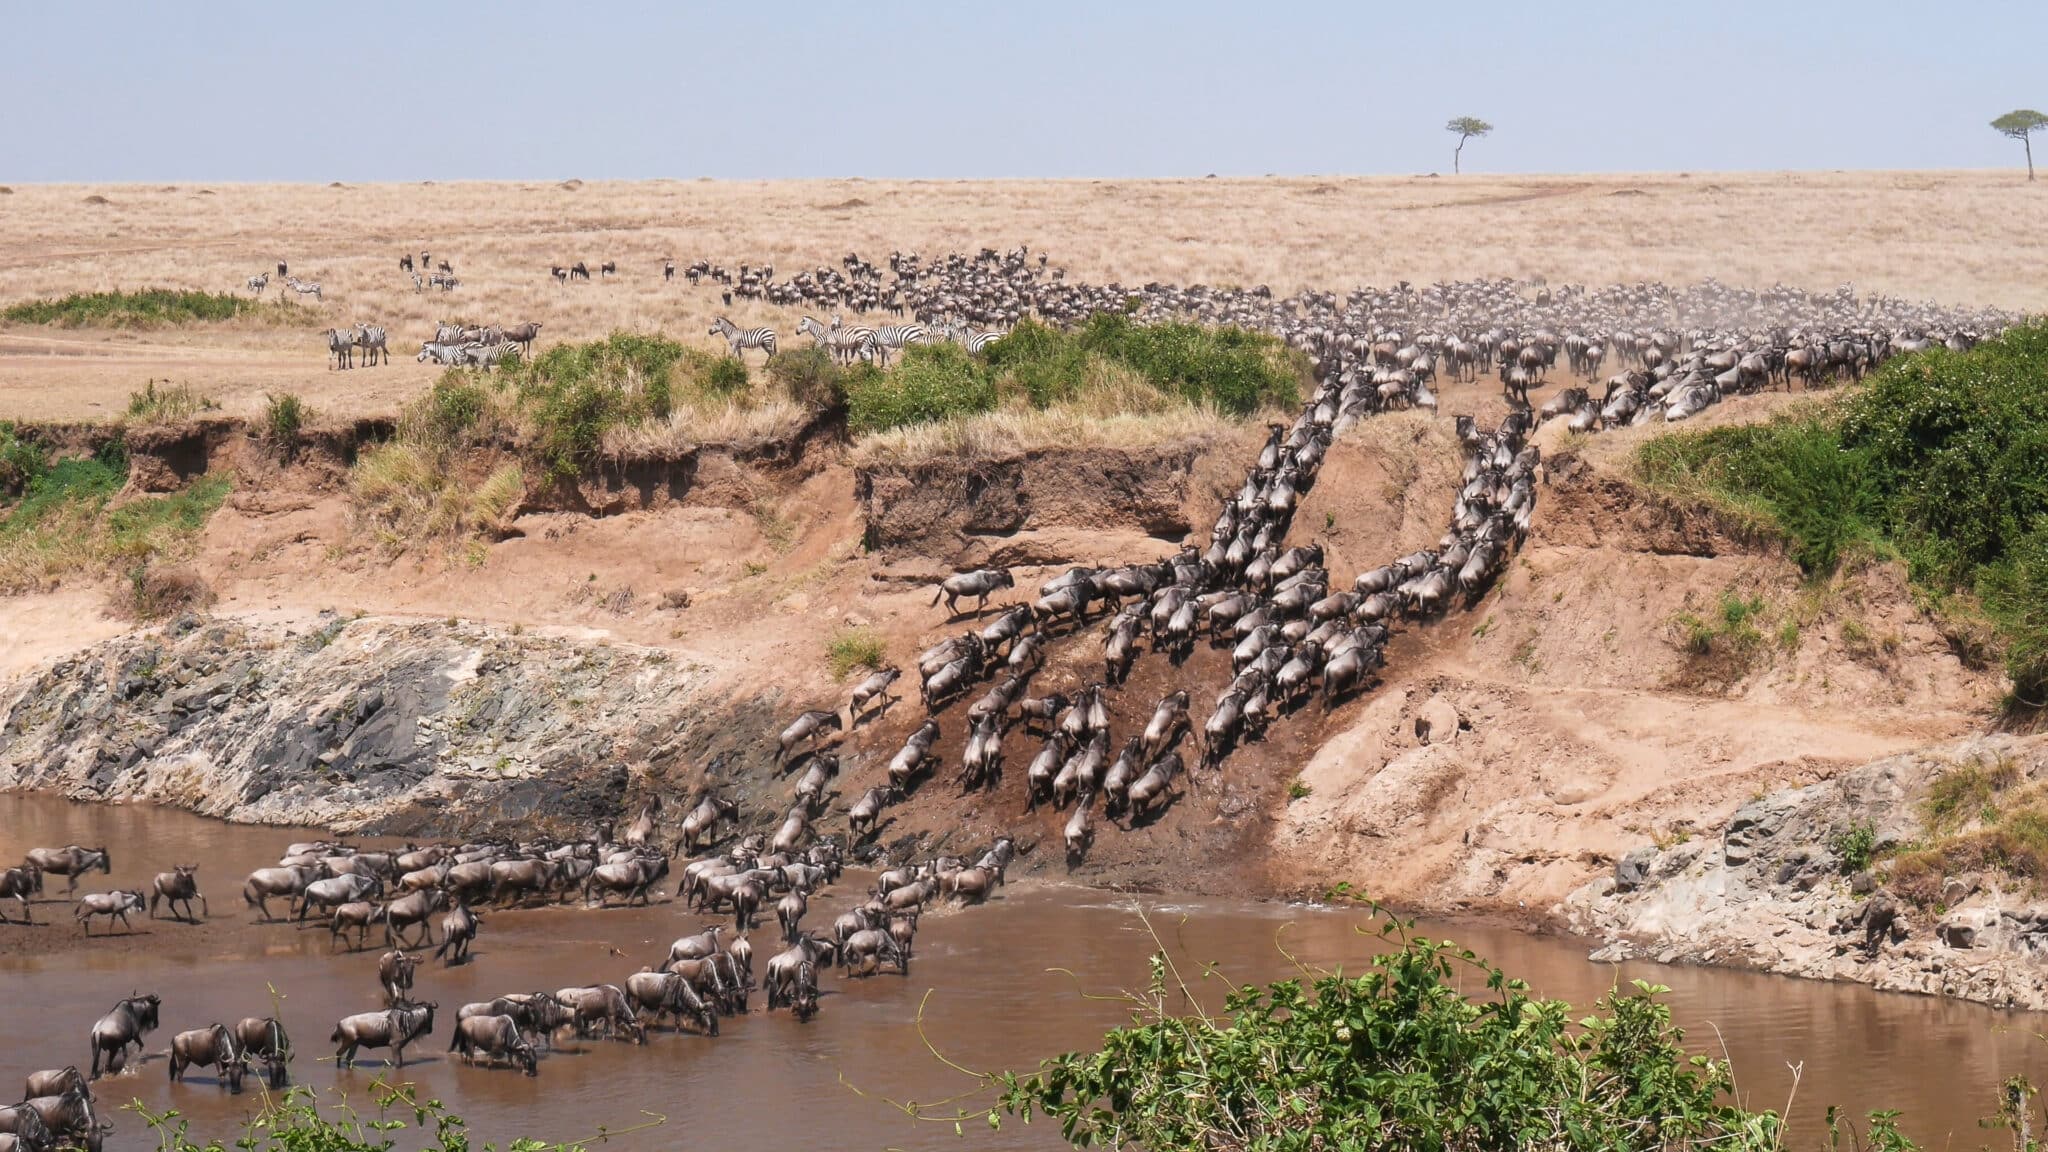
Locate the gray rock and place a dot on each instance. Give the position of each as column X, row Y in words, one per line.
column 1633, row 870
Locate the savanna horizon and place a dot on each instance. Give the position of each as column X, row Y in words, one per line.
column 1958, row 237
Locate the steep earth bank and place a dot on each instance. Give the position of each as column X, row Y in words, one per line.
column 649, row 633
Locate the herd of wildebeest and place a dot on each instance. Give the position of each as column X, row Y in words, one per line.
column 701, row 977
column 1294, row 634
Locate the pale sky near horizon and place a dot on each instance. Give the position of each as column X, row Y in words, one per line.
column 384, row 90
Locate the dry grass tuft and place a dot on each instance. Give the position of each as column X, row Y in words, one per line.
column 153, row 593
column 407, row 492
column 741, row 424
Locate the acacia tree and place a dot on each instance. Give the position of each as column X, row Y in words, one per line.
column 1466, row 127
column 2021, row 124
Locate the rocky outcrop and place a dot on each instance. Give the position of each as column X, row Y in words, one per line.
column 1774, row 891
column 376, row 725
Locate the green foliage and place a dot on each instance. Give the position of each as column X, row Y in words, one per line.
column 1398, row 1058
column 63, row 522
column 1940, row 456
column 21, row 461
column 1855, row 845
column 727, row 376
column 1235, row 371
column 170, row 404
column 852, row 648
column 1299, row 789
column 812, row 378
column 284, row 417
column 149, row 308
column 296, row 1122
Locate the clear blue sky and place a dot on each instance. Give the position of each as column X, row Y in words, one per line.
column 291, row 90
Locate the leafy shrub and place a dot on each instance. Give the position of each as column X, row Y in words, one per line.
column 934, row 382
column 149, row 308
column 284, row 417
column 726, row 377
column 62, row 524
column 1940, row 456
column 1397, row 1058
column 21, row 461
column 298, row 1122
column 852, row 648
column 810, row 376
column 1854, row 845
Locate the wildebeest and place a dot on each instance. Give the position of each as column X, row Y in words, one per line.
column 668, row 994
column 394, row 974
column 287, row 882
column 127, row 1023
column 357, row 915
column 458, row 930
column 392, row 1028
column 874, row 687
column 604, row 1004
column 980, row 584
column 495, row 1038
column 179, row 886
column 406, row 911
column 210, row 1047
column 263, row 1038
column 115, row 905
column 19, row 884
column 704, row 818
column 634, row 878
column 809, row 726
column 70, row 862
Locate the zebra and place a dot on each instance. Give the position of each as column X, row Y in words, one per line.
column 258, row 283
column 341, row 345
column 418, row 285
column 444, row 282
column 977, row 343
column 370, row 339
column 742, row 339
column 304, row 287
column 898, row 336
column 843, row 343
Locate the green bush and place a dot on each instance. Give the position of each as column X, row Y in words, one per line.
column 812, row 378
column 931, row 382
column 21, row 461
column 1855, row 845
column 284, row 417
column 1941, row 457
column 1401, row 1057
column 727, row 376
column 298, row 1122
column 853, row 648
column 150, row 308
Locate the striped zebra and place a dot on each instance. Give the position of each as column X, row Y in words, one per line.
column 843, row 343
column 341, row 346
column 742, row 339
column 898, row 336
column 258, row 283
column 977, row 342
column 304, row 287
column 371, row 340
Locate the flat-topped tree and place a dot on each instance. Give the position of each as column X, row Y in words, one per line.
column 2021, row 124
column 1466, row 127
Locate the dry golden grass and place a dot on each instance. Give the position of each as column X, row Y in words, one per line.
column 1958, row 237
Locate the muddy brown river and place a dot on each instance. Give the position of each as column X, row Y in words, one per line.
column 994, row 1002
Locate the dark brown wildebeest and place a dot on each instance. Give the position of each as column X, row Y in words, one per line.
column 538, row 1014
column 19, row 884
column 667, row 994
column 70, row 862
column 980, row 584
column 407, row 911
column 703, row 820
column 458, row 931
column 808, row 726
column 179, row 886
column 22, row 1129
column 523, row 335
column 128, row 1022
column 393, row 1028
column 394, row 973
column 514, row 880
column 495, row 1038
column 602, row 1004
column 357, row 914
column 263, row 1038
column 286, row 881
column 115, row 905
column 53, row 1082
column 210, row 1047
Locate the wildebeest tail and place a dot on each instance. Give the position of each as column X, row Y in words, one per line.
column 938, row 596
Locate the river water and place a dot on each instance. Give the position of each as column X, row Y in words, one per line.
column 985, row 978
